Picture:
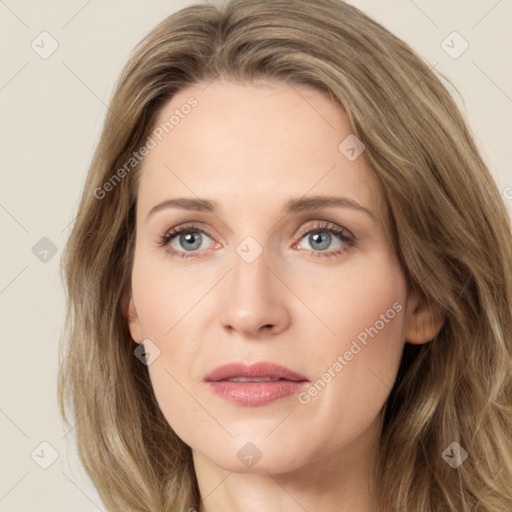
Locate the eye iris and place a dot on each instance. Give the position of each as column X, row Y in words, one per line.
column 190, row 242
column 316, row 238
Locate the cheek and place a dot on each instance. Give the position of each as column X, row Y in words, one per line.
column 165, row 294
column 175, row 396
column 363, row 300
column 167, row 304
column 358, row 367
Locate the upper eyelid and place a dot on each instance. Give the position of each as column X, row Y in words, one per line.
column 329, row 226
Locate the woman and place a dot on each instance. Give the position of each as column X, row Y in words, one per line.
column 217, row 357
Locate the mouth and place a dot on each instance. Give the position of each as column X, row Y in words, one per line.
column 253, row 379
column 256, row 384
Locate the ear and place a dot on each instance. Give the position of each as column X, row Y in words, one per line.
column 423, row 319
column 131, row 316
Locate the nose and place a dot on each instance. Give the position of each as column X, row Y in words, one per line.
column 254, row 299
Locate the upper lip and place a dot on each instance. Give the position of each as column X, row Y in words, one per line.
column 257, row 370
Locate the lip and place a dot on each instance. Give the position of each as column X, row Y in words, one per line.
column 285, row 382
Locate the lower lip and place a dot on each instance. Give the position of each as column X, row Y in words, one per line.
column 255, row 393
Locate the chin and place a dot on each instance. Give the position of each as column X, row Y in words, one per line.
column 257, row 454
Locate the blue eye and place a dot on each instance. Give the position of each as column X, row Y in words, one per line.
column 320, row 240
column 190, row 238
column 320, row 237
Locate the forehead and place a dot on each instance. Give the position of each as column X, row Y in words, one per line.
column 253, row 146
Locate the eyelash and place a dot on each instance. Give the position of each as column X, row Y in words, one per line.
column 320, row 227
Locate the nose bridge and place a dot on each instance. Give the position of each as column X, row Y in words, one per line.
column 252, row 298
column 251, row 279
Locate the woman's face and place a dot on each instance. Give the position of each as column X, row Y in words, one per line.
column 267, row 272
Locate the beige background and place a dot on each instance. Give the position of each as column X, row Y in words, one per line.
column 51, row 112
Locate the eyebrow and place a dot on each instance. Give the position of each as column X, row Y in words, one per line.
column 292, row 206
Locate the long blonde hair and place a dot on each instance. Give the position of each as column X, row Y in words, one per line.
column 450, row 229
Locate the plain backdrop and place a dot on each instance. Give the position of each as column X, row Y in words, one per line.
column 51, row 111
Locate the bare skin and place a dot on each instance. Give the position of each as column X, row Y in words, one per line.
column 300, row 303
